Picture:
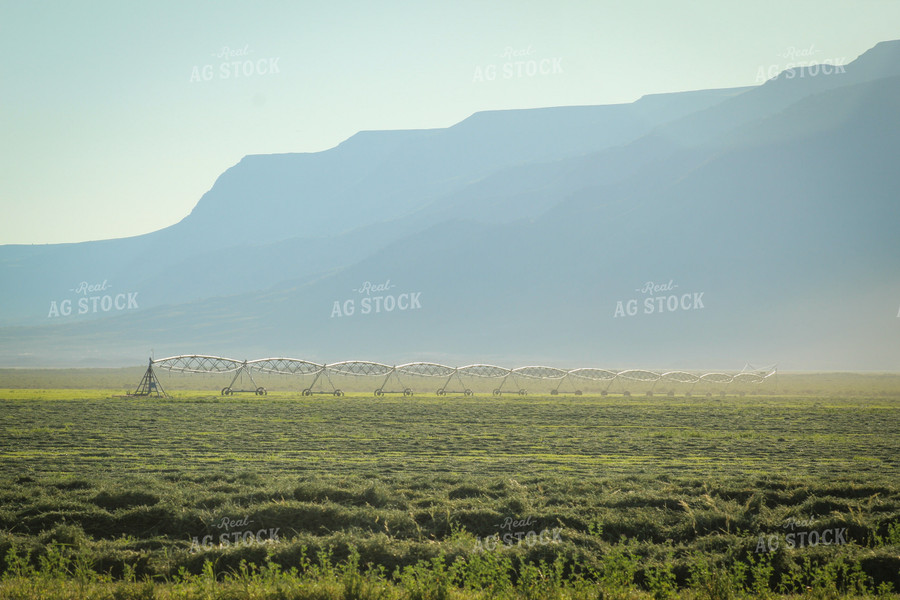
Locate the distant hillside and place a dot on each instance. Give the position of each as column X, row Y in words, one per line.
column 338, row 205
column 703, row 229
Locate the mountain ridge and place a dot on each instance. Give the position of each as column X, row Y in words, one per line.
column 771, row 226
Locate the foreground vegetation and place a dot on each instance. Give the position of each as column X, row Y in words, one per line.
column 286, row 496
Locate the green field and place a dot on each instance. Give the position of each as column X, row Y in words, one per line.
column 430, row 497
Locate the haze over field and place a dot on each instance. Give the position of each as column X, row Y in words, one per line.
column 696, row 229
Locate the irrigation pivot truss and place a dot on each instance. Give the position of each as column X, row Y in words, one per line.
column 452, row 380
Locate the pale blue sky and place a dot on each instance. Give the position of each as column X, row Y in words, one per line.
column 106, row 135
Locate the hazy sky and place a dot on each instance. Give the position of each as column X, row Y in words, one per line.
column 117, row 116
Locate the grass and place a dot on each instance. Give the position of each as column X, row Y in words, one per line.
column 408, row 496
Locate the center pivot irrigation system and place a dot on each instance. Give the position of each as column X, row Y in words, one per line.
column 452, row 379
